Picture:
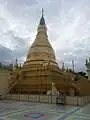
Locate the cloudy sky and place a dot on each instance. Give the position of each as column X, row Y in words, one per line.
column 68, row 23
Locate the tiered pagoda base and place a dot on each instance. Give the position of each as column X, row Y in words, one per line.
column 37, row 80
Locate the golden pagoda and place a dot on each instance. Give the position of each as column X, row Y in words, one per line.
column 40, row 70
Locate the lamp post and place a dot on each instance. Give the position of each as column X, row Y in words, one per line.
column 36, row 86
column 44, row 67
column 39, row 85
column 76, row 92
column 48, row 64
column 45, row 86
column 41, row 77
column 45, row 78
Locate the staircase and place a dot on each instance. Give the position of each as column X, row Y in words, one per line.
column 13, row 84
column 75, row 86
column 15, row 80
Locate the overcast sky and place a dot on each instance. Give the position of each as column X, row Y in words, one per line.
column 68, row 23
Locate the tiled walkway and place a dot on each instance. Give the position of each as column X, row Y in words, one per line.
column 12, row 110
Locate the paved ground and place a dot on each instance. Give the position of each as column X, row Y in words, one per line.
column 12, row 110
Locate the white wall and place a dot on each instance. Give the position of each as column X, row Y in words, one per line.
column 77, row 100
column 50, row 99
column 34, row 98
column 71, row 100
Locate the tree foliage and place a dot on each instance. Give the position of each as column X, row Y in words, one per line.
column 83, row 74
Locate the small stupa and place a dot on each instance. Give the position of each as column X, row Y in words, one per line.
column 53, row 91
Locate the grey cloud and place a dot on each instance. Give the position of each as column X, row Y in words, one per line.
column 22, row 2
column 4, row 24
column 2, row 1
column 18, row 8
column 17, row 44
column 8, row 56
column 68, row 21
column 5, row 53
column 15, row 40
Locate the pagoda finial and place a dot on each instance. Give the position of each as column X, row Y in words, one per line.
column 42, row 21
column 42, row 11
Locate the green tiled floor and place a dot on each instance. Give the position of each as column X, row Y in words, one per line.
column 12, row 110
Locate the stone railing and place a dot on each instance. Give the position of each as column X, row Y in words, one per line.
column 79, row 101
column 32, row 98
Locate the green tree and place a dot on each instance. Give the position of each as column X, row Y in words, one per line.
column 83, row 74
